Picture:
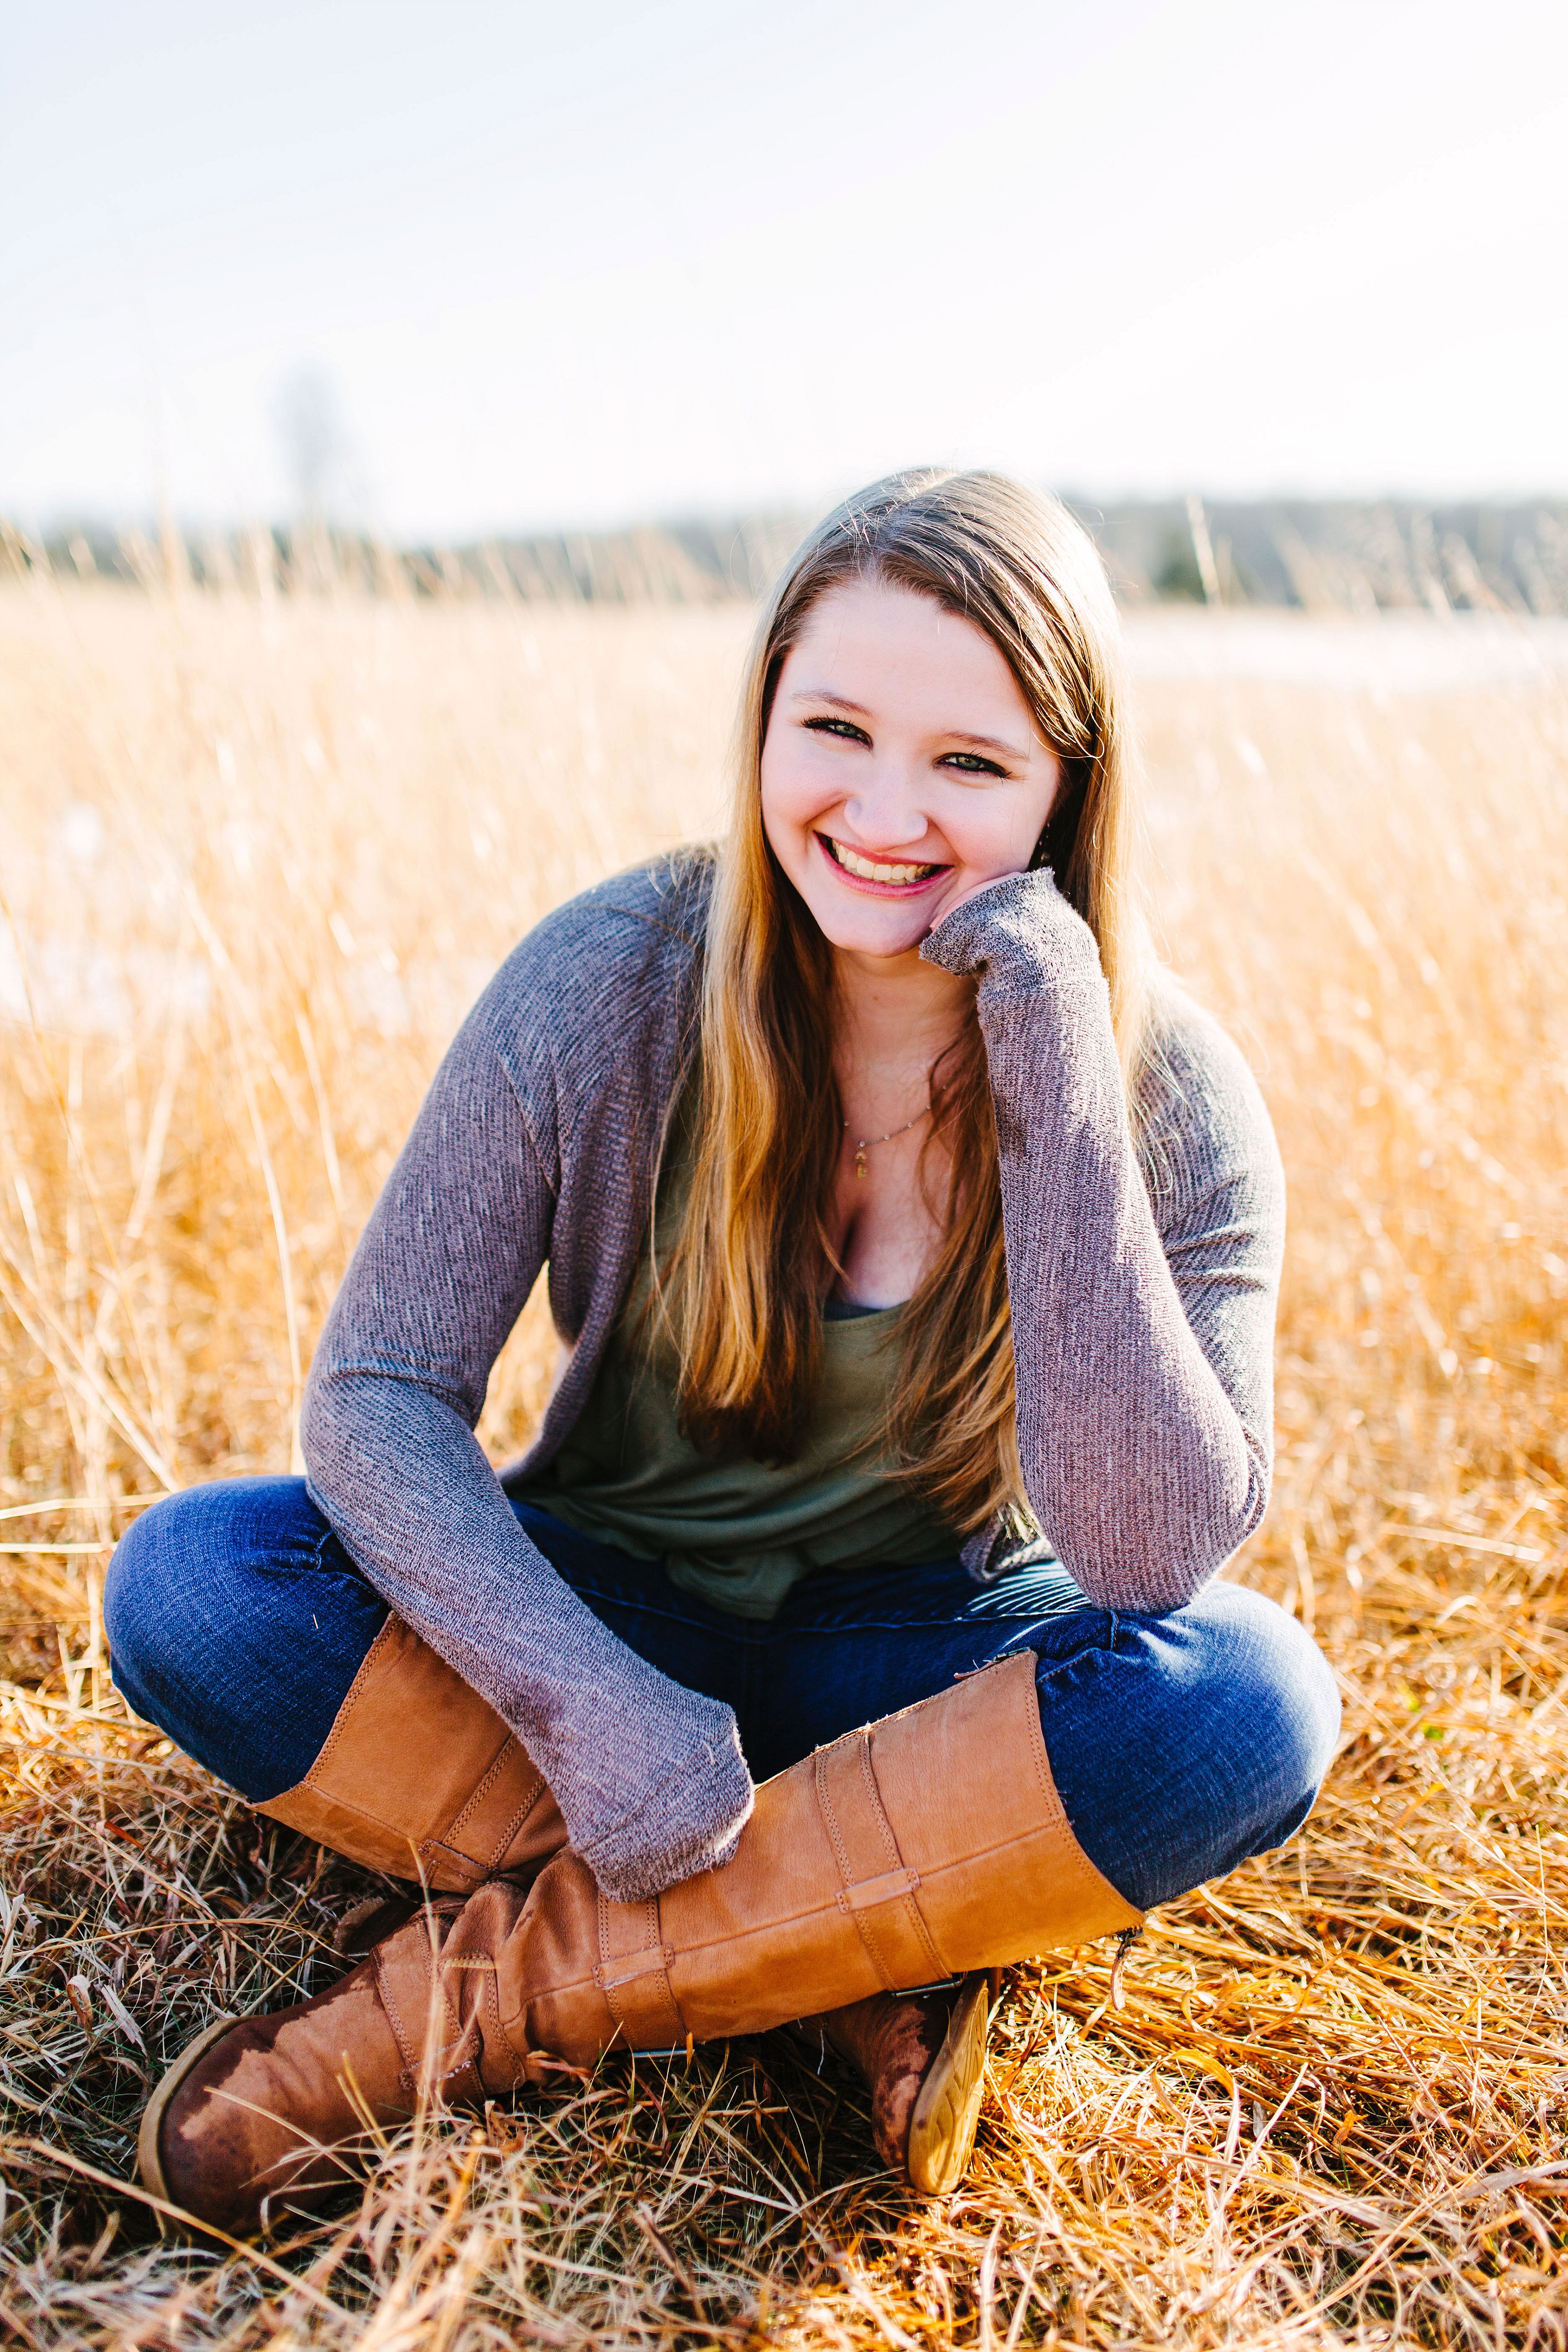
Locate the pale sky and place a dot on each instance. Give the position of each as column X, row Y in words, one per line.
column 580, row 261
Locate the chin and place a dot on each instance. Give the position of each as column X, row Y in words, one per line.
column 896, row 933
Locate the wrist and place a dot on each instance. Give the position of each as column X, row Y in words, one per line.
column 1017, row 932
column 692, row 1821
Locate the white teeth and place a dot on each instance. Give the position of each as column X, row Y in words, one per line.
column 870, row 871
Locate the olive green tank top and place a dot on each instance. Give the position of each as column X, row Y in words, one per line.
column 735, row 1531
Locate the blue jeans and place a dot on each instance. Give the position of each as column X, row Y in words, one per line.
column 1180, row 1744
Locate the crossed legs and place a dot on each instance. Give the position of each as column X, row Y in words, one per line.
column 1149, row 1753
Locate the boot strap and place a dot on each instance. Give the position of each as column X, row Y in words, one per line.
column 632, row 1974
column 881, row 1903
column 876, row 1892
column 437, row 2048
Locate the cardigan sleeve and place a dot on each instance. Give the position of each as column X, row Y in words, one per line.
column 649, row 1776
column 1142, row 1284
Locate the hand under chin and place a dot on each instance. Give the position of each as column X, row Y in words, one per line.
column 950, row 903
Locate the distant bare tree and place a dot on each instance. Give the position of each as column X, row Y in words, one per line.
column 316, row 441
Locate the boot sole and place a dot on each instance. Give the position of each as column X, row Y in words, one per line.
column 149, row 2163
column 947, row 2112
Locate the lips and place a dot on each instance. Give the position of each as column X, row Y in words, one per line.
column 890, row 873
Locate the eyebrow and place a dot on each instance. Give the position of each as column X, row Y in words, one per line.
column 949, row 734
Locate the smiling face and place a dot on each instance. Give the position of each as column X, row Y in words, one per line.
column 901, row 769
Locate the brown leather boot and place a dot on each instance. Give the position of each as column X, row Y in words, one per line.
column 418, row 1771
column 923, row 2057
column 259, row 2113
column 263, row 2111
column 929, row 1845
column 420, row 1777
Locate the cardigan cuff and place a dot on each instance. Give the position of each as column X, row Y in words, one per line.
column 1018, row 932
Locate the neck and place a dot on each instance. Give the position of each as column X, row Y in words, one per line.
column 894, row 1016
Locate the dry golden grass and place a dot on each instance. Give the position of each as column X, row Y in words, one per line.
column 255, row 862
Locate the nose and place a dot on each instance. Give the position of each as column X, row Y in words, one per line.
column 885, row 812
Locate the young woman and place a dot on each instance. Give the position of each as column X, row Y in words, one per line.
column 849, row 1629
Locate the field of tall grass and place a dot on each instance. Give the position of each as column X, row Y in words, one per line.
column 254, row 860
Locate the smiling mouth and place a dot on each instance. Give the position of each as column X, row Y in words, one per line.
column 891, row 876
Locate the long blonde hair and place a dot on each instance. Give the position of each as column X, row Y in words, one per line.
column 743, row 1286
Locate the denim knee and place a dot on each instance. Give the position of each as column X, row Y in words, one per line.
column 1191, row 1741
column 149, row 1596
column 236, row 1624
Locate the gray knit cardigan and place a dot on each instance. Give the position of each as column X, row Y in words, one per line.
column 1142, row 1284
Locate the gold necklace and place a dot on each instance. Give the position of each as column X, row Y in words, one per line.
column 868, row 1143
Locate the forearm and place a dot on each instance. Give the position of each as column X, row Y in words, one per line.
column 1137, row 1463
column 1143, row 1387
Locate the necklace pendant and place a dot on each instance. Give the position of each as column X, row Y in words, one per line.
column 859, row 1160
